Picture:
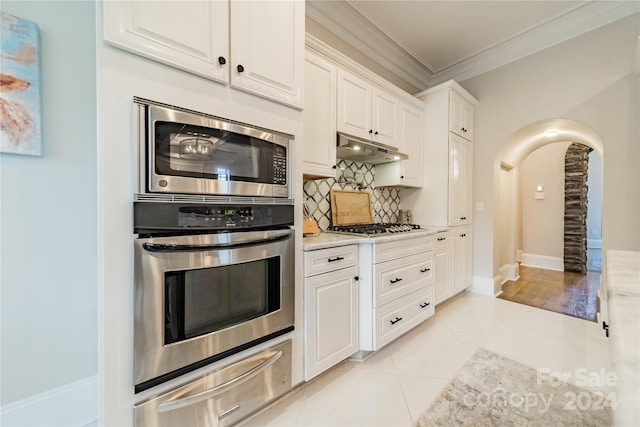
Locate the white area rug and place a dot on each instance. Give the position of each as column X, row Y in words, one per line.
column 491, row 390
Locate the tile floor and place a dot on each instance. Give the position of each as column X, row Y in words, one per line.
column 393, row 387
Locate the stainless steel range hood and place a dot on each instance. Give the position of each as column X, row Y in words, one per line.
column 365, row 151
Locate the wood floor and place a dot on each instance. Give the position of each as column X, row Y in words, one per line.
column 572, row 294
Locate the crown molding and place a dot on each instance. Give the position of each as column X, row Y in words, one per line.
column 352, row 27
column 577, row 22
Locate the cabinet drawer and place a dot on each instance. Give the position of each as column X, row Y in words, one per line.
column 441, row 239
column 330, row 259
column 399, row 316
column 401, row 248
column 399, row 277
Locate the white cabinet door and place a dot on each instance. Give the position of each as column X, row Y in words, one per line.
column 406, row 173
column 354, row 105
column 256, row 46
column 319, row 117
column 267, row 49
column 366, row 111
column 443, row 285
column 460, row 116
column 460, row 180
column 462, row 258
column 189, row 35
column 384, row 117
column 331, row 326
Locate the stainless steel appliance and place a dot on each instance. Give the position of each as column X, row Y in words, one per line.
column 376, row 229
column 211, row 280
column 224, row 396
column 187, row 152
column 351, row 147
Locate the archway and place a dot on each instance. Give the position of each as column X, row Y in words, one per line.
column 513, row 151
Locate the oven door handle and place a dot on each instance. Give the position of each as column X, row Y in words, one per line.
column 222, row 388
column 174, row 247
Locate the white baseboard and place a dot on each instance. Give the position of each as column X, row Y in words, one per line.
column 509, row 272
column 543, row 261
column 74, row 404
column 485, row 286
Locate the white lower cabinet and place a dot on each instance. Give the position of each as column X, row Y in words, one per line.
column 331, row 307
column 462, row 258
column 452, row 262
column 442, row 260
column 396, row 289
column 403, row 314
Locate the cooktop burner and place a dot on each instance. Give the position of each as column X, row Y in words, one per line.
column 373, row 229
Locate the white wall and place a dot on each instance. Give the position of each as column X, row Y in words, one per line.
column 543, row 219
column 48, row 219
column 588, row 79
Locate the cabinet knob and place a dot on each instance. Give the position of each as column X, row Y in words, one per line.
column 370, row 130
column 334, row 167
column 375, row 133
column 240, row 68
column 356, row 278
column 221, row 60
column 401, row 176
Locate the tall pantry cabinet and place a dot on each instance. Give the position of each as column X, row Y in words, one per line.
column 447, row 196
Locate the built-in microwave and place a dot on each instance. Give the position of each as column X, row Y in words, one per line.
column 187, row 152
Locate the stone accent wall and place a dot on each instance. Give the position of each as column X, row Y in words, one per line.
column 575, row 208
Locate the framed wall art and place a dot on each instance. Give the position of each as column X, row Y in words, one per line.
column 20, row 95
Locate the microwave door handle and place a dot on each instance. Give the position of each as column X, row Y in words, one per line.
column 215, row 391
column 171, row 247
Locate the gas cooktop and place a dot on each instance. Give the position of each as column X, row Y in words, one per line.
column 369, row 230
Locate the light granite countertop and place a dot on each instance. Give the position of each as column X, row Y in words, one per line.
column 623, row 303
column 330, row 240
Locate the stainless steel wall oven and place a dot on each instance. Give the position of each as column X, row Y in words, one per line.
column 211, row 280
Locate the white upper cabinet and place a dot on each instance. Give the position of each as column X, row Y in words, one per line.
column 267, row 48
column 319, row 117
column 448, row 159
column 365, row 110
column 255, row 46
column 406, row 173
column 460, row 180
column 460, row 116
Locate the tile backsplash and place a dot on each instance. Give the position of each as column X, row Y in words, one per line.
column 350, row 176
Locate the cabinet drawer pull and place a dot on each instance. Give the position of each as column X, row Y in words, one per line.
column 463, row 235
column 440, row 239
column 424, row 270
column 395, row 281
column 338, row 258
column 424, row 304
column 396, row 320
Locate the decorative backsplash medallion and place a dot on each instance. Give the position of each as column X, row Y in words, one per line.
column 351, row 176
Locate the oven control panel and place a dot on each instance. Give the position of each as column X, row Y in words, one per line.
column 154, row 217
column 227, row 216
